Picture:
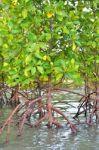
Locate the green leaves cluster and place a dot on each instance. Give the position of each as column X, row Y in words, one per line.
column 39, row 39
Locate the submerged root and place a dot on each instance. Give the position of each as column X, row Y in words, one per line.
column 53, row 121
column 33, row 107
column 23, row 118
column 89, row 107
column 30, row 111
column 8, row 122
column 30, row 108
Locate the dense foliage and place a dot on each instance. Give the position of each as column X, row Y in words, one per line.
column 45, row 38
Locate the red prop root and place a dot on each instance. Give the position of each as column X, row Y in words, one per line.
column 32, row 107
column 89, row 107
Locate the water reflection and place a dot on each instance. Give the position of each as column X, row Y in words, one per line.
column 53, row 139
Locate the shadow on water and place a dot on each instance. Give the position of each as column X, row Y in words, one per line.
column 54, row 139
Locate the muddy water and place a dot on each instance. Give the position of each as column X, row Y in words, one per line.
column 54, row 139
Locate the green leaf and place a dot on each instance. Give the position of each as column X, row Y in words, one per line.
column 5, row 46
column 97, row 60
column 26, row 81
column 5, row 64
column 65, row 30
column 93, row 44
column 72, row 61
column 24, row 13
column 33, row 70
column 18, row 62
column 40, row 69
column 13, row 73
column 26, row 1
column 26, row 72
column 28, row 59
column 38, row 55
column 48, row 36
column 44, row 78
column 10, row 24
column 73, row 46
column 60, row 63
column 32, row 36
column 60, row 18
column 59, row 77
column 58, row 70
column 15, row 31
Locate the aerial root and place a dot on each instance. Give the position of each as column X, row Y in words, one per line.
column 89, row 107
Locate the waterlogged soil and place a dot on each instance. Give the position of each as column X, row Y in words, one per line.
column 42, row 138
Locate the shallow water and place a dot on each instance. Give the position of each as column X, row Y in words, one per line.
column 54, row 139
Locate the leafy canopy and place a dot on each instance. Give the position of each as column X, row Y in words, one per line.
column 45, row 38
